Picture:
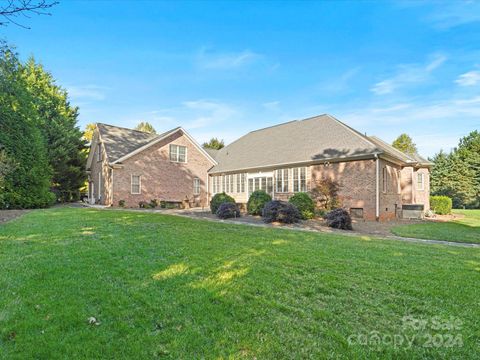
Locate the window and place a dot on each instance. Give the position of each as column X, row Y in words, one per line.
column 99, row 152
column 216, row 184
column 420, row 181
column 281, row 177
column 136, row 185
column 241, row 183
column 230, row 183
column 99, row 185
column 384, row 179
column 196, row 186
column 300, row 179
column 260, row 183
column 178, row 153
column 225, row 185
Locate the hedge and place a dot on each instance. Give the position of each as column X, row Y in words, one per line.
column 441, row 205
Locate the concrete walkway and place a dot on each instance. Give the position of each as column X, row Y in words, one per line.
column 199, row 213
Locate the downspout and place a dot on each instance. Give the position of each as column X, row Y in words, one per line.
column 377, row 188
column 111, row 189
column 208, row 189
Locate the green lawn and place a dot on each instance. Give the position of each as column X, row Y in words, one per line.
column 171, row 287
column 466, row 229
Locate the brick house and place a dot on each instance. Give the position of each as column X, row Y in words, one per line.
column 375, row 179
column 133, row 166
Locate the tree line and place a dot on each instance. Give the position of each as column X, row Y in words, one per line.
column 455, row 174
column 42, row 152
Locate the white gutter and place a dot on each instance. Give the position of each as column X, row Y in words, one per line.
column 377, row 187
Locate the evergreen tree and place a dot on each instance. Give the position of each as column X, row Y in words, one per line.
column 405, row 143
column 21, row 140
column 214, row 143
column 145, row 127
column 469, row 151
column 58, row 122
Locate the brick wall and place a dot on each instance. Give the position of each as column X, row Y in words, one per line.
column 104, row 196
column 390, row 195
column 161, row 178
column 356, row 180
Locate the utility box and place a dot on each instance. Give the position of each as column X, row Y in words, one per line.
column 412, row 211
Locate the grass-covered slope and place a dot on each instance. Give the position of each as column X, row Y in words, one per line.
column 171, row 287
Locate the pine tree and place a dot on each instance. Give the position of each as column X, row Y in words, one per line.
column 145, row 127
column 214, row 143
column 58, row 121
column 21, row 140
column 405, row 143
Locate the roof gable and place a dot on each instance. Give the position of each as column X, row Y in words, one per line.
column 119, row 141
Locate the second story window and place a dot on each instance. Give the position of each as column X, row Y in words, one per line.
column 99, row 152
column 420, row 181
column 178, row 153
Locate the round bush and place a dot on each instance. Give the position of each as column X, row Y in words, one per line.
column 304, row 204
column 280, row 211
column 257, row 201
column 441, row 205
column 228, row 210
column 219, row 199
column 339, row 219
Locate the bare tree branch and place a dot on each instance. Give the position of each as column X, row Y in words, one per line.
column 15, row 8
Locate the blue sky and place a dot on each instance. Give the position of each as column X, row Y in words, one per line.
column 225, row 68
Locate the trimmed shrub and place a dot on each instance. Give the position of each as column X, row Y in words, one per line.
column 441, row 205
column 280, row 211
column 304, row 204
column 339, row 219
column 121, row 203
column 228, row 210
column 153, row 203
column 257, row 201
column 219, row 199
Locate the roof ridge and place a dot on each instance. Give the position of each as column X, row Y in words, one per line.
column 272, row 126
column 125, row 128
column 393, row 147
column 358, row 133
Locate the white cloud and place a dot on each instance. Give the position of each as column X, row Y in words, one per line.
column 192, row 114
column 454, row 13
column 429, row 121
column 226, row 61
column 271, row 105
column 408, row 74
column 87, row 92
column 470, row 78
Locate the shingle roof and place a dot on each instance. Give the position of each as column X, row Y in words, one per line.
column 314, row 139
column 390, row 150
column 120, row 141
column 212, row 152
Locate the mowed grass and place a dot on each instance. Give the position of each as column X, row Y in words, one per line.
column 177, row 288
column 466, row 229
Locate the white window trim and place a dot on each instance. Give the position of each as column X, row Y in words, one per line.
column 178, row 153
column 422, row 187
column 299, row 179
column 384, row 179
column 196, row 186
column 139, row 184
column 99, row 185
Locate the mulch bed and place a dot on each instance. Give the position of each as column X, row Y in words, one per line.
column 7, row 215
